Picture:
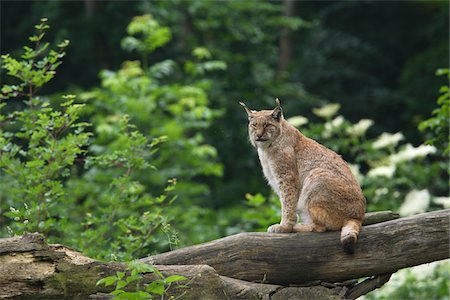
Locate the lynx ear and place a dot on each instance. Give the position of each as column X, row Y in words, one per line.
column 249, row 112
column 277, row 112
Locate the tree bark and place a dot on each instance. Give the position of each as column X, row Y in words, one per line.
column 303, row 257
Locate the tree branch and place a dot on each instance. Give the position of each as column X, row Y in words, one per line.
column 302, row 257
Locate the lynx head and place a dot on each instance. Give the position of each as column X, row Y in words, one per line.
column 264, row 126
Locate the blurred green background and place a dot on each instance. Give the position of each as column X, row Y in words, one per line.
column 149, row 151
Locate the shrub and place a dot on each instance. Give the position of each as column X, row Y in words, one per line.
column 99, row 175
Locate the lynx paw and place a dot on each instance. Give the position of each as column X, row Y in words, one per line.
column 278, row 228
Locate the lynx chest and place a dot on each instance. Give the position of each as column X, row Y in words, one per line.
column 268, row 170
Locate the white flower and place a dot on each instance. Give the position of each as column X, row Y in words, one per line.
column 444, row 201
column 410, row 152
column 338, row 121
column 360, row 128
column 327, row 111
column 387, row 171
column 387, row 139
column 298, row 121
column 421, row 272
column 415, row 202
column 329, row 126
column 381, row 192
column 400, row 278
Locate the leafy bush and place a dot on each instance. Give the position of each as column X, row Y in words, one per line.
column 163, row 108
column 143, row 291
column 39, row 144
column 87, row 174
column 428, row 281
column 438, row 126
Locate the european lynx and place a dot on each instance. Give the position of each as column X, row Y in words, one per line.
column 310, row 179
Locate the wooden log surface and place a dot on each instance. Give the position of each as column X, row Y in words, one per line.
column 31, row 269
column 382, row 248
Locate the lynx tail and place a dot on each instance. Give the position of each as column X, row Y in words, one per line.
column 349, row 235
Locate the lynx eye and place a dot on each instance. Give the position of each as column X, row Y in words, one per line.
column 253, row 125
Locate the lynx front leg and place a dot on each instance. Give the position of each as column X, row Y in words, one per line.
column 288, row 199
column 288, row 220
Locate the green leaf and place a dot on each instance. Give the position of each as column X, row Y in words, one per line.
column 255, row 200
column 63, row 44
column 107, row 281
column 133, row 278
column 117, row 292
column 174, row 278
column 156, row 287
column 35, row 163
column 6, row 89
column 133, row 296
column 138, row 268
column 440, row 72
column 121, row 284
column 201, row 53
column 120, row 274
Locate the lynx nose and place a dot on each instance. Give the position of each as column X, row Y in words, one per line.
column 259, row 137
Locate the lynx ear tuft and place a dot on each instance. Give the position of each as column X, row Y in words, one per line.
column 277, row 101
column 249, row 112
column 277, row 112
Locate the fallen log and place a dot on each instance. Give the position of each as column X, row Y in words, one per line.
column 382, row 248
column 31, row 269
column 307, row 266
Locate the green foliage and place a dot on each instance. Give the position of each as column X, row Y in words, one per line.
column 85, row 175
column 152, row 35
column 345, row 58
column 142, row 291
column 161, row 106
column 145, row 35
column 37, row 67
column 429, row 281
column 40, row 144
column 261, row 212
column 439, row 124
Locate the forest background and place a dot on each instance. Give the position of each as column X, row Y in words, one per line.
column 135, row 144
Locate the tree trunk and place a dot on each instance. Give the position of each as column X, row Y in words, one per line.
column 285, row 39
column 303, row 257
column 31, row 269
column 89, row 8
